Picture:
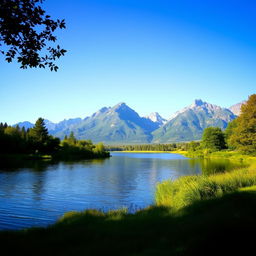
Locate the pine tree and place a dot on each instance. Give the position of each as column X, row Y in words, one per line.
column 72, row 138
column 39, row 132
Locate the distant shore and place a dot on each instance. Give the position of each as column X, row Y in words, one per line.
column 51, row 157
column 149, row 151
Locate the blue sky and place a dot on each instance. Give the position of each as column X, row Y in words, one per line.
column 155, row 55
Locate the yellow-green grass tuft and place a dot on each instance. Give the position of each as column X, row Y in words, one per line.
column 189, row 189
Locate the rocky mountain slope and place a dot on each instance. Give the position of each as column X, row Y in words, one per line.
column 189, row 123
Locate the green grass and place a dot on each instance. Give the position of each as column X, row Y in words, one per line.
column 190, row 189
column 232, row 155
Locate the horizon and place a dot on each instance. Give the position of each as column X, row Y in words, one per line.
column 154, row 55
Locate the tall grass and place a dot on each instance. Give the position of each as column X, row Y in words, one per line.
column 189, row 189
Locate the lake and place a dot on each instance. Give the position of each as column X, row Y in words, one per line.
column 37, row 193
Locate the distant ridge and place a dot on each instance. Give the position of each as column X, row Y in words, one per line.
column 122, row 125
column 25, row 124
column 188, row 124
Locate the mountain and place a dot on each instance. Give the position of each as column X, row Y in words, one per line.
column 189, row 123
column 25, row 124
column 236, row 109
column 156, row 118
column 54, row 128
column 119, row 124
column 122, row 125
column 49, row 125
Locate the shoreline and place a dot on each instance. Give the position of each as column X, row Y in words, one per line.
column 49, row 157
column 148, row 151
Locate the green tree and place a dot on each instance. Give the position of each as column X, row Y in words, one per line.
column 228, row 133
column 99, row 148
column 243, row 136
column 213, row 138
column 193, row 146
column 39, row 132
column 72, row 138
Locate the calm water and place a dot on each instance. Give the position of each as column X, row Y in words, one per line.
column 37, row 193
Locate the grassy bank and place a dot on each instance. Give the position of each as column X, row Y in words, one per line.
column 190, row 189
column 220, row 226
column 232, row 155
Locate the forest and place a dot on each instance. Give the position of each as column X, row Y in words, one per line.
column 37, row 142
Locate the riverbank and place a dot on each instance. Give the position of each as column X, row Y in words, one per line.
column 26, row 156
column 58, row 156
column 188, row 190
column 224, row 154
column 220, row 226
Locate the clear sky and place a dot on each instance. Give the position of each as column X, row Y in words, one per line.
column 155, row 55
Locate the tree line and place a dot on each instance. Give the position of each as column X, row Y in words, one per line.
column 37, row 141
column 150, row 147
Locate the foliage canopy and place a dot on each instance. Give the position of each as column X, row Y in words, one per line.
column 213, row 139
column 25, row 32
column 243, row 135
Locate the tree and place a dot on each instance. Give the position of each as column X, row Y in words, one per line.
column 243, row 136
column 229, row 131
column 72, row 138
column 213, row 138
column 39, row 132
column 25, row 31
column 193, row 146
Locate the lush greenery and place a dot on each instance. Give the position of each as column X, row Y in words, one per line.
column 37, row 142
column 31, row 141
column 213, row 138
column 242, row 133
column 70, row 147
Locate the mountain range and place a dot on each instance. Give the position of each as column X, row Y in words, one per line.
column 122, row 125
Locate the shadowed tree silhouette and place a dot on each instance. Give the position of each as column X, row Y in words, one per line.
column 26, row 32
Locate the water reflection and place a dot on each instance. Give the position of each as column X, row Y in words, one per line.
column 213, row 166
column 38, row 192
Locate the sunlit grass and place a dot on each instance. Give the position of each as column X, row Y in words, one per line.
column 189, row 189
column 226, row 154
